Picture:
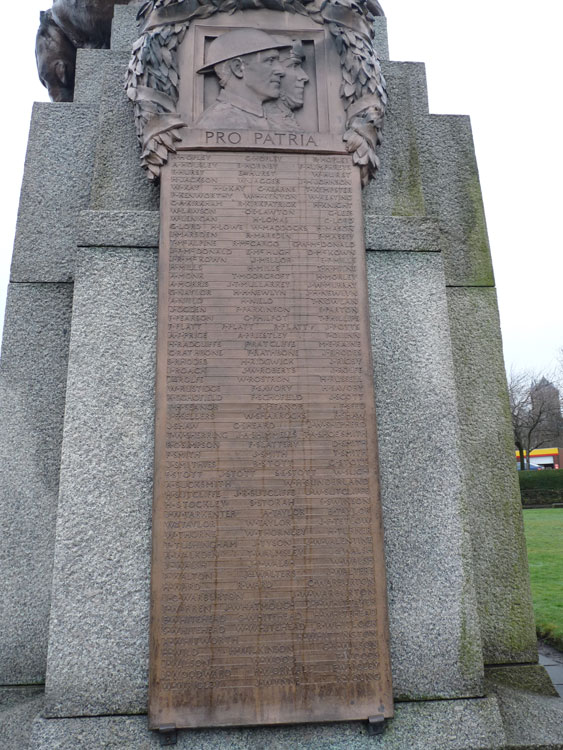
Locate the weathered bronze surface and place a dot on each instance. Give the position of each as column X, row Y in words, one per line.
column 167, row 94
column 67, row 26
column 268, row 585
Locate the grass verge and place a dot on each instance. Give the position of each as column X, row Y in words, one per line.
column 544, row 538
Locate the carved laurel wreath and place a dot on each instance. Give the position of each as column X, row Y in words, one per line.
column 152, row 76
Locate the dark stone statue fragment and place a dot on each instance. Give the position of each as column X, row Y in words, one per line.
column 70, row 25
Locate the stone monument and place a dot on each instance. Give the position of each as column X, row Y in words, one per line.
column 311, row 275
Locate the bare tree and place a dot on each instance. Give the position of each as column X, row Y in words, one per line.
column 559, row 372
column 536, row 413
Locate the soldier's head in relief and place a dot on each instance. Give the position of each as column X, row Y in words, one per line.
column 293, row 83
column 247, row 65
column 281, row 111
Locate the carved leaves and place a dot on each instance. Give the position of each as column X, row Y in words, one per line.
column 152, row 83
column 153, row 79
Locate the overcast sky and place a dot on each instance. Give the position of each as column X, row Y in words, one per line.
column 498, row 61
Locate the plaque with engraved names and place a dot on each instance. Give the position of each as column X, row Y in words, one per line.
column 268, row 586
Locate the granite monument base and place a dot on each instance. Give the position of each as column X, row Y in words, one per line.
column 520, row 712
column 458, row 589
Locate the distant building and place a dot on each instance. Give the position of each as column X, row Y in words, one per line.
column 542, row 458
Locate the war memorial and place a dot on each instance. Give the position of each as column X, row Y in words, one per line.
column 251, row 301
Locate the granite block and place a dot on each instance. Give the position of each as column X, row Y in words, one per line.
column 435, row 640
column 499, row 548
column 452, row 193
column 531, row 678
column 16, row 724
column 55, row 188
column 402, row 234
column 398, row 189
column 13, row 696
column 98, row 639
column 407, row 88
column 437, row 725
column 119, row 182
column 125, row 28
column 90, row 75
column 531, row 710
column 380, row 37
column 118, row 229
column 32, row 398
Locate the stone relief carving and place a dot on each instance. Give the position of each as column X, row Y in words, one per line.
column 280, row 111
column 67, row 26
column 247, row 65
column 153, row 77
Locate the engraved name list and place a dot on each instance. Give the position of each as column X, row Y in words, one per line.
column 266, row 604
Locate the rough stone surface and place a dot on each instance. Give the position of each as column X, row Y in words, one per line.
column 119, row 229
column 529, row 677
column 90, row 75
column 403, row 234
column 13, row 696
column 119, row 182
column 438, row 725
column 16, row 724
column 124, row 29
column 500, row 559
column 435, row 642
column 452, row 193
column 398, row 190
column 98, row 640
column 32, row 397
column 380, row 35
column 532, row 715
column 55, row 188
column 428, row 168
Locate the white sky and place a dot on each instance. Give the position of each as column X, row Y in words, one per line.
column 498, row 61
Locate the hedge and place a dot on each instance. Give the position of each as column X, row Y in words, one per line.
column 541, row 487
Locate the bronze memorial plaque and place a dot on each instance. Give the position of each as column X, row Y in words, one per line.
column 268, row 601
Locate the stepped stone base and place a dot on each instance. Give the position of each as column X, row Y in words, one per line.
column 19, row 706
column 506, row 720
column 522, row 711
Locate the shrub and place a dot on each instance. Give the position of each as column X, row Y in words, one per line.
column 541, row 487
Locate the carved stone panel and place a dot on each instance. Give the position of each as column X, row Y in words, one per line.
column 268, row 586
column 331, row 77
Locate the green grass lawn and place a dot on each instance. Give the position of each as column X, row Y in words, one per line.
column 544, row 537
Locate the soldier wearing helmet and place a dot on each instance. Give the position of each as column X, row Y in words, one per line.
column 246, row 62
column 281, row 111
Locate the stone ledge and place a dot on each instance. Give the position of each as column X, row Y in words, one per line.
column 435, row 725
column 16, row 723
column 519, row 717
column 118, row 229
column 532, row 711
column 13, row 695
